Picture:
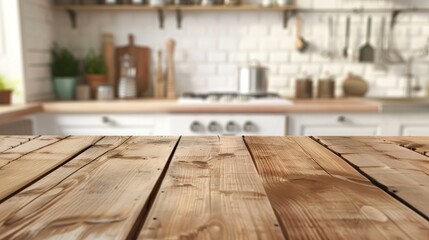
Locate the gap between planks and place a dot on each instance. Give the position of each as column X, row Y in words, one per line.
column 373, row 180
column 29, row 180
column 67, row 205
column 145, row 211
column 214, row 191
column 288, row 167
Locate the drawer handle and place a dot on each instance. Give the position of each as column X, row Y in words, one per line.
column 341, row 119
column 107, row 120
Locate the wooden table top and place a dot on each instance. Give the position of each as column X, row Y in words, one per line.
column 73, row 187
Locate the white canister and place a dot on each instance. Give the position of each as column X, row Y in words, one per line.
column 283, row 3
column 105, row 92
column 267, row 3
column 157, row 2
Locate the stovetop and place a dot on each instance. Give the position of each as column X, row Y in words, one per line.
column 233, row 97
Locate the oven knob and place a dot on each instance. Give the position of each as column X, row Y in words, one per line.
column 197, row 127
column 215, row 127
column 232, row 127
column 249, row 127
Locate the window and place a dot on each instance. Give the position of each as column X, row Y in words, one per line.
column 2, row 42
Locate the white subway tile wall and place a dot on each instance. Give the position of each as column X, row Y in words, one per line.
column 211, row 45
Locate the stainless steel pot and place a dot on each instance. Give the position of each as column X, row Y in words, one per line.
column 252, row 78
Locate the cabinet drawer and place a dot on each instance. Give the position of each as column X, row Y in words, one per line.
column 335, row 124
column 105, row 131
column 105, row 120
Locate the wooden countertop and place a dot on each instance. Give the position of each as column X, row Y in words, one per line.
column 171, row 106
column 212, row 188
column 11, row 112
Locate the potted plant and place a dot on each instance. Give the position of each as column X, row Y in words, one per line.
column 64, row 70
column 95, row 71
column 5, row 91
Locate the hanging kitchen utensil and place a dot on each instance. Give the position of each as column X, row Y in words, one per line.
column 301, row 43
column 380, row 51
column 347, row 39
column 393, row 55
column 330, row 51
column 171, row 88
column 141, row 56
column 366, row 53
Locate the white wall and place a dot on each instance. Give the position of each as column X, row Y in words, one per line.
column 37, row 27
column 211, row 45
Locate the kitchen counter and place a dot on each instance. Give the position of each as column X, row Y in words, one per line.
column 212, row 188
column 171, row 106
column 11, row 112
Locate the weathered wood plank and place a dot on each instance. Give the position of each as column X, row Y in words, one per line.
column 418, row 144
column 317, row 195
column 34, row 165
column 401, row 171
column 17, row 152
column 102, row 200
column 211, row 191
column 8, row 142
column 46, row 184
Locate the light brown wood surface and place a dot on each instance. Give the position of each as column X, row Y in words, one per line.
column 402, row 172
column 45, row 187
column 102, row 200
column 211, row 188
column 214, row 192
column 418, row 144
column 9, row 142
column 34, row 165
column 171, row 106
column 12, row 112
column 141, row 57
column 17, row 152
column 317, row 195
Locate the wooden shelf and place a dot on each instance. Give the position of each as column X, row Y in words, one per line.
column 83, row 8
column 73, row 9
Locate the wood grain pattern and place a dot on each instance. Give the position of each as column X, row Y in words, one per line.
column 34, row 165
column 211, row 191
column 171, row 106
column 9, row 142
column 46, row 184
column 418, row 144
column 317, row 195
column 13, row 154
column 401, row 171
column 102, row 200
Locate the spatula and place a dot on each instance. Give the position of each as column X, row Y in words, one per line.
column 300, row 42
column 347, row 43
column 366, row 52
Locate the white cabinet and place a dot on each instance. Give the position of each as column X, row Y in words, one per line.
column 407, row 124
column 101, row 124
column 329, row 124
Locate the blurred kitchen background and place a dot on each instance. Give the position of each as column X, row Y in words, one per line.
column 211, row 67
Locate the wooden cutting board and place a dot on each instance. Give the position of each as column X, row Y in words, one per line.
column 141, row 57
